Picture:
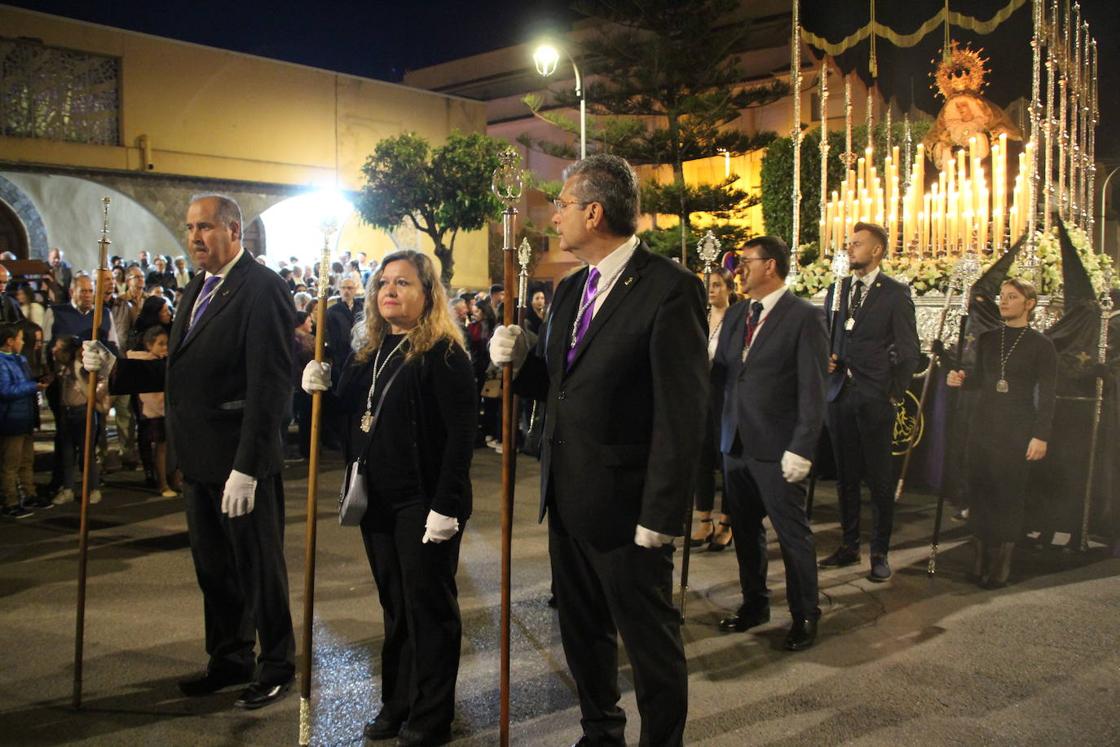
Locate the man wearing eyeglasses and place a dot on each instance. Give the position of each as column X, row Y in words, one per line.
column 874, row 355
column 621, row 362
column 769, row 374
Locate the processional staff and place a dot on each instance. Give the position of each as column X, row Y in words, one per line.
column 965, row 274
column 329, row 226
column 1102, row 359
column 507, row 184
column 87, row 451
column 841, row 266
column 708, row 250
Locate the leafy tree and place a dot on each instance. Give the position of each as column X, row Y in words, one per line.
column 669, row 90
column 441, row 190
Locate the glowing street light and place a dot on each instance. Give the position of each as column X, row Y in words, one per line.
column 547, row 58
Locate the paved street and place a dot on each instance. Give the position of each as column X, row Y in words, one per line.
column 914, row 661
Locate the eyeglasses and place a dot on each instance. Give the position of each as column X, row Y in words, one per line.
column 561, row 204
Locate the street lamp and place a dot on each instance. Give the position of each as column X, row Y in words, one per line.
column 547, row 59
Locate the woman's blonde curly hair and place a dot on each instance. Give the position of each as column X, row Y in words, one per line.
column 435, row 320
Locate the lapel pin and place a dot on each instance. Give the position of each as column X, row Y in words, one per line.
column 628, row 280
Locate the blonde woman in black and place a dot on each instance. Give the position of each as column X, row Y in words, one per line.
column 1014, row 372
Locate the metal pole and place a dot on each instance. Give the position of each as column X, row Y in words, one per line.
column 87, row 453
column 328, row 227
column 507, row 185
column 1104, row 194
column 1102, row 358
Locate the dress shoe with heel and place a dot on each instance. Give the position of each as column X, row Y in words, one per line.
column 802, row 634
column 409, row 738
column 212, row 681
column 840, row 558
column 708, row 533
column 745, row 619
column 258, row 695
column 716, row 545
column 382, row 727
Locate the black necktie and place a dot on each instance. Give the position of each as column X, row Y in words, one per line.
column 857, row 298
column 752, row 323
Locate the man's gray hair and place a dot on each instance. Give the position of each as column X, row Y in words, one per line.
column 611, row 182
column 228, row 209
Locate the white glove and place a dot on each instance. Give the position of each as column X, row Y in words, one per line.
column 648, row 538
column 96, row 358
column 316, row 377
column 239, row 494
column 508, row 345
column 795, row 467
column 439, row 528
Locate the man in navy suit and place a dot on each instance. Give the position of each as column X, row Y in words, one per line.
column 769, row 368
column 874, row 355
column 621, row 363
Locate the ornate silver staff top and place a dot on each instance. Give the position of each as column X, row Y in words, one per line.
column 524, row 254
column 507, row 181
column 328, row 226
column 708, row 250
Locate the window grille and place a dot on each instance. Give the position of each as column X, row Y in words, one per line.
column 58, row 94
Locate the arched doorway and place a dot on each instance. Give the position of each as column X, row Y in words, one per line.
column 13, row 236
column 254, row 238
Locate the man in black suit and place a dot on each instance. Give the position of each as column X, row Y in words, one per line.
column 61, row 275
column 621, row 363
column 769, row 368
column 874, row 355
column 340, row 323
column 228, row 382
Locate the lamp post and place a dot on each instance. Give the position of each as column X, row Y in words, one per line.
column 547, row 59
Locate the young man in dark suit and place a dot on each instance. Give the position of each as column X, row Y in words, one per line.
column 874, row 354
column 770, row 370
column 621, row 362
column 228, row 382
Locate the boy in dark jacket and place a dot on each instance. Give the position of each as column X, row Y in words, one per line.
column 17, row 420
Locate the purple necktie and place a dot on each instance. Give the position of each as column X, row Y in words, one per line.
column 206, row 295
column 588, row 306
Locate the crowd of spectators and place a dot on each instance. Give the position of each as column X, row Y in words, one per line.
column 46, row 317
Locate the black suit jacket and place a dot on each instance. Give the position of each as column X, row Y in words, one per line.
column 882, row 349
column 340, row 325
column 774, row 401
column 623, row 428
column 229, row 381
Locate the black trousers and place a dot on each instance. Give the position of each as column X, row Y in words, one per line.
column 599, row 595
column 861, row 426
column 756, row 489
column 420, row 605
column 711, row 461
column 244, row 580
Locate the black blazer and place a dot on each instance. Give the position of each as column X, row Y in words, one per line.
column 443, row 417
column 773, row 402
column 229, row 382
column 623, row 428
column 882, row 350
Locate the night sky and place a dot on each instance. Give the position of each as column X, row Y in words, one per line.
column 384, row 39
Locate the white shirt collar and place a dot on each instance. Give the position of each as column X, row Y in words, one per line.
column 617, row 259
column 227, row 267
column 869, row 279
column 771, row 299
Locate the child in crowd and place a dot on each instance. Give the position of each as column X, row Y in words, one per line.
column 18, row 397
column 151, row 423
column 73, row 388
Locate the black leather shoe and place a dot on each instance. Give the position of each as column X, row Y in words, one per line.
column 843, row 556
column 802, row 635
column 409, row 738
column 258, row 695
column 880, row 569
column 212, row 682
column 744, row 619
column 382, row 727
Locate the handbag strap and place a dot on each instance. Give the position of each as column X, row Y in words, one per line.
column 377, row 411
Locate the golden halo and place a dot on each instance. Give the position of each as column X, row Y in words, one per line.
column 963, row 72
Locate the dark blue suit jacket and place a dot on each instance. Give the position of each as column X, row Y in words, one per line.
column 881, row 350
column 774, row 401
